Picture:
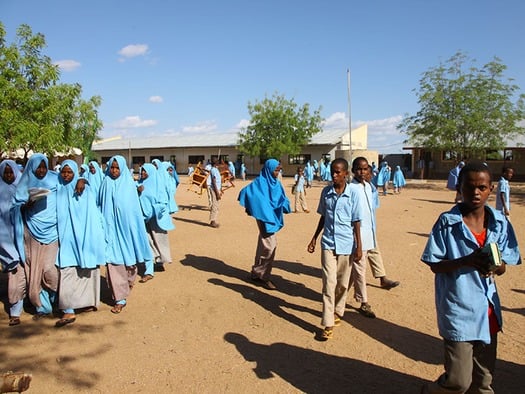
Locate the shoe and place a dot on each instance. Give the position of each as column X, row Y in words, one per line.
column 146, row 278
column 14, row 321
column 159, row 267
column 366, row 310
column 337, row 320
column 214, row 224
column 267, row 284
column 306, row 211
column 39, row 316
column 328, row 333
column 117, row 308
column 388, row 284
column 65, row 321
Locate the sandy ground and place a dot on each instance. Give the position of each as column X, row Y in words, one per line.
column 202, row 326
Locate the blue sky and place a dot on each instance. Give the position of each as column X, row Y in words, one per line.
column 179, row 67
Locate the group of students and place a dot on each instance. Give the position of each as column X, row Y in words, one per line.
column 60, row 227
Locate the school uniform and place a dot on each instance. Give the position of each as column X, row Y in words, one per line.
column 300, row 198
column 463, row 298
column 503, row 187
column 337, row 244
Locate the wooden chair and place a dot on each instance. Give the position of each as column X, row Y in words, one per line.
column 198, row 178
column 227, row 180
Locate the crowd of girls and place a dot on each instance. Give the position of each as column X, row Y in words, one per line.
column 54, row 222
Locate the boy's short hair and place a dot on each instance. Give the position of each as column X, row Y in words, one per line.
column 473, row 166
column 339, row 160
column 506, row 168
column 357, row 160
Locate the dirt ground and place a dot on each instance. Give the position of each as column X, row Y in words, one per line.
column 202, row 326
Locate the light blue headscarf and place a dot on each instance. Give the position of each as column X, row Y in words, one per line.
column 154, row 201
column 41, row 218
column 264, row 198
column 9, row 257
column 80, row 224
column 172, row 183
column 127, row 241
column 94, row 179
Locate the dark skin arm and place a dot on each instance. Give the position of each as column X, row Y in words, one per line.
column 320, row 225
column 476, row 259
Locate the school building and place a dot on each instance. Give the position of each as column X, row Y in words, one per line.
column 188, row 150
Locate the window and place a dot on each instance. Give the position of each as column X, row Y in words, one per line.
column 299, row 159
column 450, row 155
column 194, row 159
column 151, row 158
column 138, row 160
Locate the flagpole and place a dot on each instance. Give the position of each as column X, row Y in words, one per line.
column 349, row 115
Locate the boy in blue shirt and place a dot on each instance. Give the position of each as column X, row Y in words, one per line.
column 467, row 303
column 339, row 222
column 503, row 191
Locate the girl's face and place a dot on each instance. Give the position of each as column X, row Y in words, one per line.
column 143, row 174
column 67, row 174
column 8, row 176
column 475, row 188
column 276, row 171
column 92, row 169
column 170, row 170
column 361, row 170
column 339, row 173
column 41, row 170
column 114, row 170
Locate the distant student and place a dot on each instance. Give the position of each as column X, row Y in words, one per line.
column 503, row 191
column 383, row 177
column 243, row 171
column 340, row 223
column 215, row 193
column 468, row 307
column 300, row 191
column 265, row 199
column 452, row 180
column 398, row 180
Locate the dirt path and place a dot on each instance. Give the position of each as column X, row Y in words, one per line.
column 202, row 326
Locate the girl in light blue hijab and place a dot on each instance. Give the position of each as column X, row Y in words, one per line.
column 265, row 199
column 9, row 256
column 36, row 231
column 127, row 242
column 94, row 176
column 80, row 233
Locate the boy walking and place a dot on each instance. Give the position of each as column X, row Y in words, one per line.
column 467, row 302
column 503, row 191
column 339, row 222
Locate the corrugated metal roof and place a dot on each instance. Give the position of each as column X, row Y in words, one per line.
column 326, row 137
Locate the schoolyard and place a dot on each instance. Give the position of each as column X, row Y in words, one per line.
column 203, row 326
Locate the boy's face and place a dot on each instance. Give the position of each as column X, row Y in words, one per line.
column 475, row 188
column 508, row 174
column 339, row 174
column 8, row 176
column 67, row 174
column 360, row 171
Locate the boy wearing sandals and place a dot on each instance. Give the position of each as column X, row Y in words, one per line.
column 340, row 223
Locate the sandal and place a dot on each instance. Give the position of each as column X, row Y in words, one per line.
column 337, row 320
column 327, row 333
column 65, row 321
column 146, row 278
column 15, row 382
column 117, row 308
column 39, row 316
column 14, row 321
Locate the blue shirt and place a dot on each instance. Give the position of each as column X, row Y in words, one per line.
column 339, row 212
column 462, row 297
column 300, row 181
column 366, row 206
column 503, row 187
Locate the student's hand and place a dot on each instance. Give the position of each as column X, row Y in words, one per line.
column 506, row 212
column 358, row 254
column 480, row 261
column 311, row 246
column 140, row 189
column 81, row 185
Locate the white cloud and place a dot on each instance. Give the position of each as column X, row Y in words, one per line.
column 133, row 50
column 156, row 99
column 337, row 120
column 134, row 122
column 242, row 124
column 67, row 65
column 201, row 127
column 383, row 135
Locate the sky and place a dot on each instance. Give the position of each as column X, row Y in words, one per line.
column 170, row 67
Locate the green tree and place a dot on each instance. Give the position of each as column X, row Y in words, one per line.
column 36, row 111
column 468, row 110
column 278, row 126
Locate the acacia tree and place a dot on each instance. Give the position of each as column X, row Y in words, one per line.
column 278, row 126
column 468, row 110
column 36, row 111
